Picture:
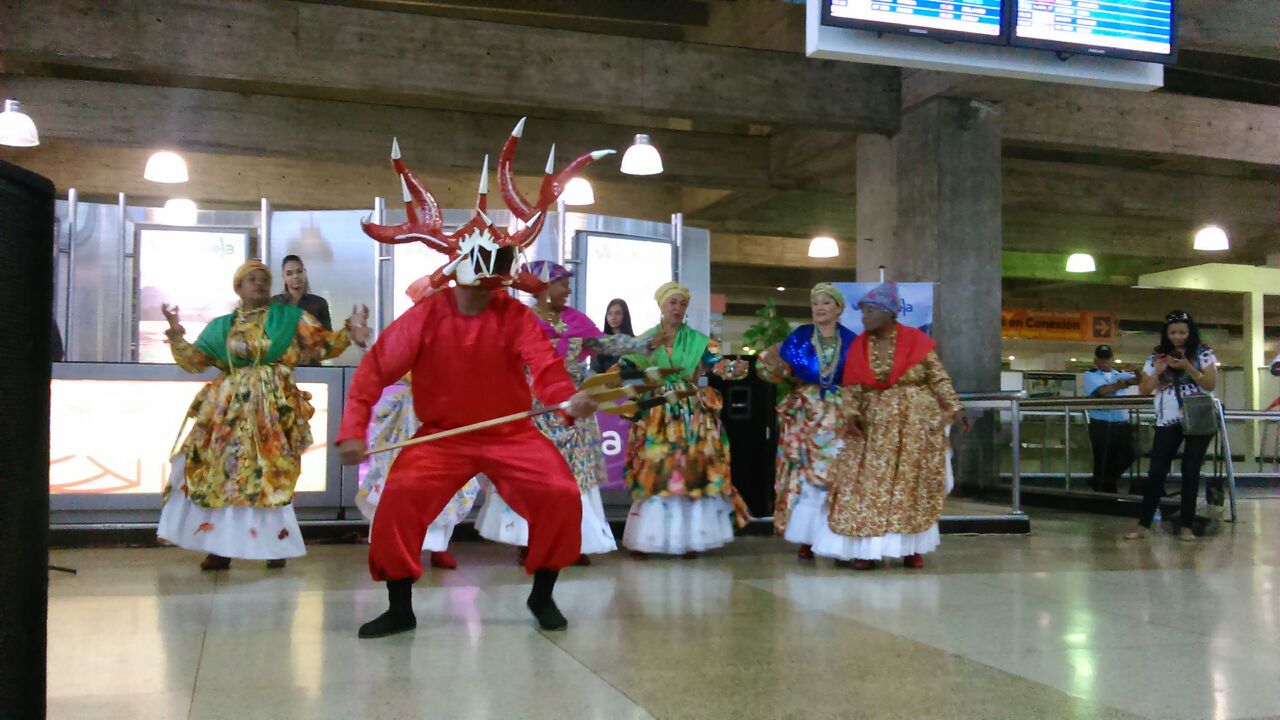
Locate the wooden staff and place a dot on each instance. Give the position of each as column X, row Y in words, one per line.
column 603, row 388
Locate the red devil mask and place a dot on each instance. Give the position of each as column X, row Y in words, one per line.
column 479, row 253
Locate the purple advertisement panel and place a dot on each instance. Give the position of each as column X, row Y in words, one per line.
column 613, row 437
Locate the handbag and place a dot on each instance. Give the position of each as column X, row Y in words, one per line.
column 1199, row 413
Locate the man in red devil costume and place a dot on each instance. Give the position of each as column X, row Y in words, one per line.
column 470, row 342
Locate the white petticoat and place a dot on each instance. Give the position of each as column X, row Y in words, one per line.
column 496, row 521
column 675, row 525
column 236, row 531
column 808, row 516
column 894, row 545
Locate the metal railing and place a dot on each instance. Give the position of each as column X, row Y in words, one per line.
column 1249, row 429
column 1005, row 402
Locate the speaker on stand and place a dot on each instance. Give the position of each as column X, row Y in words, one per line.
column 750, row 420
column 26, row 294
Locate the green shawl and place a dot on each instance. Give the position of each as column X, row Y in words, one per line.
column 281, row 327
column 687, row 352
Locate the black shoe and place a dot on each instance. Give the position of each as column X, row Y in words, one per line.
column 399, row 618
column 388, row 623
column 547, row 614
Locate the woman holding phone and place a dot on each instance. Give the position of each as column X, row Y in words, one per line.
column 1181, row 366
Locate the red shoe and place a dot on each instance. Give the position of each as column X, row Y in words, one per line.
column 915, row 562
column 863, row 564
column 444, row 560
column 215, row 562
column 276, row 564
column 806, row 552
column 583, row 561
column 637, row 555
column 691, row 555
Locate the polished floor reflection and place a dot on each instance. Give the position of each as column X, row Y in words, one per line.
column 1067, row 623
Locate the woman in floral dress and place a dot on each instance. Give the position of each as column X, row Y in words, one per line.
column 575, row 338
column 811, row 360
column 683, row 502
column 231, row 487
column 888, row 482
column 394, row 421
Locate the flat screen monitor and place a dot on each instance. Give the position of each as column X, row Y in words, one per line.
column 967, row 20
column 1134, row 29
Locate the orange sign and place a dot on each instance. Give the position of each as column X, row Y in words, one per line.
column 1057, row 325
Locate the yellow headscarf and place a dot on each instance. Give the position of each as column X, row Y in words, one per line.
column 668, row 289
column 825, row 288
column 248, row 267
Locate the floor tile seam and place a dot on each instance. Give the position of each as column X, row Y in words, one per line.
column 578, row 661
column 1069, row 693
column 195, row 679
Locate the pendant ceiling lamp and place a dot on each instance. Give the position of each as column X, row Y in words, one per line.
column 578, row 192
column 16, row 128
column 166, row 167
column 1212, row 238
column 1081, row 263
column 179, row 211
column 823, row 247
column 642, row 158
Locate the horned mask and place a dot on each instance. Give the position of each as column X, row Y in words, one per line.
column 479, row 252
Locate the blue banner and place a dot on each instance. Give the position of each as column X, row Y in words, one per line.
column 915, row 308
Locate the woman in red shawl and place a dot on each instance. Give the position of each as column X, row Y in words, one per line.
column 888, row 483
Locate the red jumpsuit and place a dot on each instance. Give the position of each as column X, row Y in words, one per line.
column 468, row 369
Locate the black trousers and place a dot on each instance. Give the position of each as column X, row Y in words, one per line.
column 1163, row 449
column 1112, row 444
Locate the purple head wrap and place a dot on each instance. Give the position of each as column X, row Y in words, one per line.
column 547, row 271
column 882, row 297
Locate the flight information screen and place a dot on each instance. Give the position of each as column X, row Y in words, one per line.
column 1099, row 27
column 977, row 18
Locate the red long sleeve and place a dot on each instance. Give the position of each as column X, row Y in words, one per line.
column 466, row 368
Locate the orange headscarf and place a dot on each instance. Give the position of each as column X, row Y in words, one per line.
column 248, row 267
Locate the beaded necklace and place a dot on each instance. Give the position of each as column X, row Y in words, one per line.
column 828, row 357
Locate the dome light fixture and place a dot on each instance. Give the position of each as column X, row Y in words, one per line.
column 823, row 247
column 179, row 211
column 166, row 167
column 17, row 129
column 1081, row 263
column 578, row 192
column 1212, row 238
column 641, row 158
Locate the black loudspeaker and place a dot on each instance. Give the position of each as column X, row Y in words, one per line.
column 26, row 294
column 750, row 420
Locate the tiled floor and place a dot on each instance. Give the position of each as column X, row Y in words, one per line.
column 1067, row 623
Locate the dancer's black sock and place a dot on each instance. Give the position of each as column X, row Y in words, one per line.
column 544, row 581
column 399, row 617
column 400, row 595
column 541, row 603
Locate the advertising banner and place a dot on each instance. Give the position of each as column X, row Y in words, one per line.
column 915, row 307
column 1068, row 326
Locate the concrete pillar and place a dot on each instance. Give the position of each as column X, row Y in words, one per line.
column 929, row 211
column 945, row 163
column 877, row 198
column 1254, row 347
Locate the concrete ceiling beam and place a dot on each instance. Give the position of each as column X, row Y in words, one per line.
column 365, row 55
